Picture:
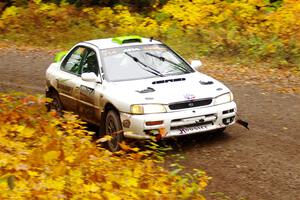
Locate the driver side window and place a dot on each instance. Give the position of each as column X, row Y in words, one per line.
column 72, row 63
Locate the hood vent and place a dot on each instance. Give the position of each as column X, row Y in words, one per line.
column 206, row 82
column 168, row 80
column 147, row 90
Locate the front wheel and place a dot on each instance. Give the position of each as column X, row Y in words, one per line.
column 113, row 128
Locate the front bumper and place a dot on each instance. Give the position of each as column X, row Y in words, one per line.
column 178, row 123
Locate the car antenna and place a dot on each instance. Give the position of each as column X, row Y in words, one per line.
column 151, row 38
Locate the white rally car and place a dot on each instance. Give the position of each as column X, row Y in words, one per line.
column 137, row 88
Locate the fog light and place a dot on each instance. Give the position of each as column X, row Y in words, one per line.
column 126, row 123
column 228, row 120
column 153, row 123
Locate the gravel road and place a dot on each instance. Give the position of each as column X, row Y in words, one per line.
column 262, row 163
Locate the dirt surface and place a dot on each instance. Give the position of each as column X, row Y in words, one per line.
column 262, row 163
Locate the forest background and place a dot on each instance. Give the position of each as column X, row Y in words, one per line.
column 247, row 31
column 43, row 161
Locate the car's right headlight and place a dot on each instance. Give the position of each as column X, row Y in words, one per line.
column 224, row 98
column 147, row 108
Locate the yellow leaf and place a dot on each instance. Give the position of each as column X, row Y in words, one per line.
column 51, row 156
column 104, row 139
column 91, row 187
column 59, row 170
column 27, row 132
column 32, row 173
column 3, row 161
column 132, row 182
column 54, row 184
column 19, row 128
column 162, row 132
column 70, row 158
column 111, row 196
column 126, row 147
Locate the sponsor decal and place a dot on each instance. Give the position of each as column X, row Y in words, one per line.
column 87, row 94
column 189, row 96
column 149, row 98
column 186, row 130
column 86, row 90
column 131, row 49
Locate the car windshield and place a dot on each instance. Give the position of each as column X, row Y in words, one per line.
column 141, row 62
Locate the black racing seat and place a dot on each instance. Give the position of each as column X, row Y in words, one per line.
column 91, row 65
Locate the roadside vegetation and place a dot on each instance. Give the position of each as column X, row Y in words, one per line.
column 249, row 31
column 48, row 157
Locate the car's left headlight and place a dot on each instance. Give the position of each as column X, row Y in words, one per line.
column 147, row 108
column 224, row 98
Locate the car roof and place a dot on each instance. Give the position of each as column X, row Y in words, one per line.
column 109, row 43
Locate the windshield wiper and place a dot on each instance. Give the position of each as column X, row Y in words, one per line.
column 146, row 67
column 175, row 65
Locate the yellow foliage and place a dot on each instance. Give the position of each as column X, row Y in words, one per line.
column 254, row 28
column 47, row 157
column 10, row 12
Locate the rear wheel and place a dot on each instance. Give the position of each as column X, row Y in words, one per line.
column 113, row 128
column 55, row 104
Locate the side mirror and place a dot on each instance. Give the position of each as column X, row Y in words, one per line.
column 195, row 64
column 89, row 76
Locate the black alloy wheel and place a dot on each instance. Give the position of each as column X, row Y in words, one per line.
column 113, row 128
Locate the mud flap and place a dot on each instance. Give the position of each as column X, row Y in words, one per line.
column 243, row 123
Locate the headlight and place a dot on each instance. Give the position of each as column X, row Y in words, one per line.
column 224, row 98
column 147, row 108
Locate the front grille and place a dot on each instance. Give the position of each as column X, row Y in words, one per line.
column 190, row 104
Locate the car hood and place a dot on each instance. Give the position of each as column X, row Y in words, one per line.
column 165, row 90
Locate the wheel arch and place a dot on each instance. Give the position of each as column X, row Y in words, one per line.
column 108, row 106
column 52, row 93
column 50, row 90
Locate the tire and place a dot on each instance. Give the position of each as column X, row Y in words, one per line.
column 55, row 104
column 113, row 127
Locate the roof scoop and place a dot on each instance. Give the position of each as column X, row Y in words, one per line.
column 127, row 39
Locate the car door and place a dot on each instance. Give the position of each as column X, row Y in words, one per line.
column 90, row 92
column 69, row 78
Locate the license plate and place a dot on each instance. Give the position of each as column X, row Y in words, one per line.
column 192, row 129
